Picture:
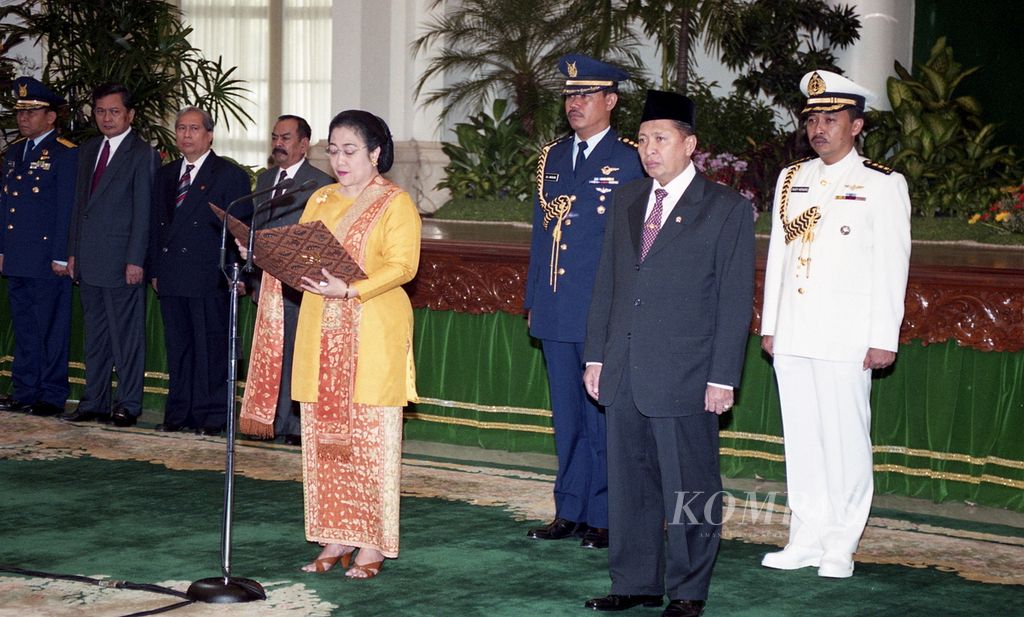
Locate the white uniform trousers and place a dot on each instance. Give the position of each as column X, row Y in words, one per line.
column 826, row 422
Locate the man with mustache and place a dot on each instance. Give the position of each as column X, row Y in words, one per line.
column 576, row 176
column 35, row 213
column 833, row 303
column 290, row 143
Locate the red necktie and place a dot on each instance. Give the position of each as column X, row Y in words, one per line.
column 653, row 223
column 101, row 165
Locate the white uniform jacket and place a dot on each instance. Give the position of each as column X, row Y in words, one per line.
column 841, row 292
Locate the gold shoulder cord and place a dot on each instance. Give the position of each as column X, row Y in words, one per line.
column 557, row 209
column 803, row 225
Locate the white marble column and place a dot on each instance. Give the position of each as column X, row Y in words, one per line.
column 374, row 69
column 886, row 35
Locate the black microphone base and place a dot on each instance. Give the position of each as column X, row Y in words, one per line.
column 226, row 590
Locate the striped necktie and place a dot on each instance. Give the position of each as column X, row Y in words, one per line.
column 653, row 223
column 183, row 184
column 281, row 178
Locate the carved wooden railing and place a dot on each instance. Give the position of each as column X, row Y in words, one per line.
column 973, row 296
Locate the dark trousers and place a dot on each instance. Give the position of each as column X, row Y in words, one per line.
column 196, row 336
column 286, row 422
column 115, row 339
column 663, row 480
column 41, row 322
column 581, row 486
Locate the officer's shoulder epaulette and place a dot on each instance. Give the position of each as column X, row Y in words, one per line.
column 878, row 167
column 66, row 142
column 18, row 140
column 798, row 161
column 554, row 142
column 629, row 142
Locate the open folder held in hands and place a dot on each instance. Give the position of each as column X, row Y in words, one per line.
column 291, row 252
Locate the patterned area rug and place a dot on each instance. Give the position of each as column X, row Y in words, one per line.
column 973, row 555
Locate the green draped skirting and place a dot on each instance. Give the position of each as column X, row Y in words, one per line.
column 948, row 422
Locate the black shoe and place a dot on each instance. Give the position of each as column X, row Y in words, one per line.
column 121, row 417
column 292, row 440
column 615, row 602
column 84, row 416
column 45, row 409
column 168, row 428
column 684, row 608
column 557, row 529
column 10, row 404
column 209, row 431
column 595, row 537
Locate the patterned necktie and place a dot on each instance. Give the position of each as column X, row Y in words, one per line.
column 101, row 165
column 653, row 223
column 183, row 184
column 280, row 179
column 580, row 158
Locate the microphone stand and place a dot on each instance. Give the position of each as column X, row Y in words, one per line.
column 227, row 589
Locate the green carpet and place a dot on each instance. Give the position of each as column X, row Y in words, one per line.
column 146, row 523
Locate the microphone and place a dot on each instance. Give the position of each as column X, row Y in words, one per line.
column 287, row 183
column 283, row 185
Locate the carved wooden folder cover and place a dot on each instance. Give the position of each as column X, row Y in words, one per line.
column 293, row 251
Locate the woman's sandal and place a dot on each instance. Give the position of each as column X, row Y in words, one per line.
column 368, row 570
column 323, row 564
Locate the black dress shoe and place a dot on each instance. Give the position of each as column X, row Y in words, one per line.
column 684, row 608
column 557, row 529
column 208, row 431
column 45, row 409
column 121, row 417
column 83, row 416
column 615, row 602
column 9, row 404
column 596, row 537
column 168, row 428
column 292, row 440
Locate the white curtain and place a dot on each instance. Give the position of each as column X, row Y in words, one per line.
column 239, row 31
column 306, row 61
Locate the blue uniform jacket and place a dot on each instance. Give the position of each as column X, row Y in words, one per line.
column 37, row 198
column 558, row 290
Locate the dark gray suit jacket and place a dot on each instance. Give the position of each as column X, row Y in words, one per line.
column 285, row 211
column 110, row 227
column 680, row 319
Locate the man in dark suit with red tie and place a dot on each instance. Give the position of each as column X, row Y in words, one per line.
column 184, row 270
column 106, row 256
column 666, row 337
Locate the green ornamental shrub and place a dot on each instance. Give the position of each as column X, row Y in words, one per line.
column 939, row 141
column 491, row 159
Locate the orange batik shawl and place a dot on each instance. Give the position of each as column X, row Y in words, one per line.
column 339, row 340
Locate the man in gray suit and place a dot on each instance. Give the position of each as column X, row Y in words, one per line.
column 290, row 143
column 666, row 336
column 106, row 254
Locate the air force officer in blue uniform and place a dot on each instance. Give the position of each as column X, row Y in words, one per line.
column 35, row 212
column 576, row 176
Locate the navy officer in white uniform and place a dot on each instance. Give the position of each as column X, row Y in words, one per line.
column 833, row 304
column 576, row 176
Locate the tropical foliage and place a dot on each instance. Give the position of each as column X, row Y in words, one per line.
column 772, row 43
column 939, row 140
column 503, row 49
column 139, row 43
column 491, row 158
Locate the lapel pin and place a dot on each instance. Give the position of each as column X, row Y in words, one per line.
column 679, row 219
column 845, row 230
